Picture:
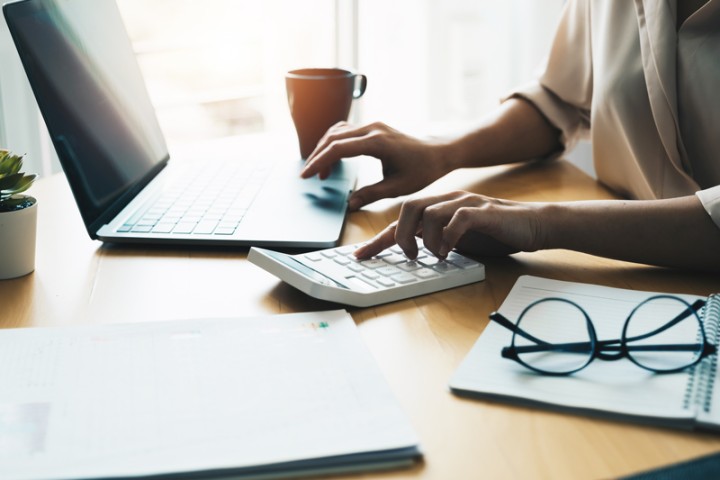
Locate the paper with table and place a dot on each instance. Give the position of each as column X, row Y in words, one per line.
column 271, row 395
column 618, row 388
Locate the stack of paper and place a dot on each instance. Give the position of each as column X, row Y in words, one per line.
column 274, row 395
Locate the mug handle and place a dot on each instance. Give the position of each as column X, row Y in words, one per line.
column 359, row 89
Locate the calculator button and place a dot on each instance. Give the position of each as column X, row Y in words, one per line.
column 355, row 267
column 394, row 259
column 409, row 266
column 313, row 257
column 360, row 284
column 346, row 250
column 328, row 253
column 460, row 261
column 373, row 263
column 444, row 267
column 430, row 260
column 370, row 274
column 385, row 282
column 388, row 270
column 426, row 273
column 341, row 260
column 404, row 278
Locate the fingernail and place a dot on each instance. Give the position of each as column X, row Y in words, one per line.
column 411, row 253
column 360, row 252
column 443, row 250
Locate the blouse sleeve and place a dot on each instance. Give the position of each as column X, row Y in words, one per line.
column 563, row 92
column 710, row 198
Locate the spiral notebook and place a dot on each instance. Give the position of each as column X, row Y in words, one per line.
column 619, row 389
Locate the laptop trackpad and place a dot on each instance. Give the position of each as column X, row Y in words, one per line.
column 288, row 209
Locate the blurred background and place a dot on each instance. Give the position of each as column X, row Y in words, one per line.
column 215, row 68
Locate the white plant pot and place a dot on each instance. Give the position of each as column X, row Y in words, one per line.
column 17, row 242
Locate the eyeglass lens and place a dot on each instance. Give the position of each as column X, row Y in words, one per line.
column 555, row 322
column 655, row 342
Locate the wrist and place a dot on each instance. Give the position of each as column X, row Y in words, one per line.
column 550, row 220
column 450, row 155
column 575, row 225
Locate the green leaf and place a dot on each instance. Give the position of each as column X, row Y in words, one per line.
column 10, row 181
column 23, row 184
column 10, row 164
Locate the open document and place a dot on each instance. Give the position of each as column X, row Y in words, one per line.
column 262, row 397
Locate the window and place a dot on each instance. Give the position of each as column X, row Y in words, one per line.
column 439, row 65
column 216, row 67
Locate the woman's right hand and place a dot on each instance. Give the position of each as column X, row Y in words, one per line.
column 408, row 164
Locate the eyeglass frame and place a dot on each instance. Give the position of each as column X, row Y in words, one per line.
column 512, row 352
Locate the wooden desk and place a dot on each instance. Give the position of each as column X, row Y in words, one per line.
column 418, row 343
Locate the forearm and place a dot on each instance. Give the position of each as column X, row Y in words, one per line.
column 515, row 132
column 673, row 232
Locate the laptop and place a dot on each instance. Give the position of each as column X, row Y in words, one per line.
column 85, row 76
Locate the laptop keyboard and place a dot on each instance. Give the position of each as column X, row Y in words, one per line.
column 201, row 202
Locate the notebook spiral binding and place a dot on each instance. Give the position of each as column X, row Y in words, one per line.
column 701, row 381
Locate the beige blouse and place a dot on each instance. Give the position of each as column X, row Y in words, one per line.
column 646, row 94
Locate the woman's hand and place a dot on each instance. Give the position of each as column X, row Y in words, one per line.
column 408, row 164
column 472, row 223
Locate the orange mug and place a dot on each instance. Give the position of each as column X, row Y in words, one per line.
column 318, row 99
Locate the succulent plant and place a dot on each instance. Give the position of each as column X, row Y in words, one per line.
column 13, row 182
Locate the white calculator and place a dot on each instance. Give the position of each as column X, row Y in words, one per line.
column 336, row 275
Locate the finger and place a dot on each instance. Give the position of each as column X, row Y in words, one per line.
column 343, row 130
column 434, row 220
column 464, row 220
column 336, row 130
column 371, row 193
column 411, row 221
column 377, row 244
column 332, row 154
column 324, row 173
column 349, row 144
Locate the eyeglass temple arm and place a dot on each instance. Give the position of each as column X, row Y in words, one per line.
column 502, row 320
column 541, row 345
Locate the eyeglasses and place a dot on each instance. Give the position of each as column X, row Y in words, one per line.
column 555, row 336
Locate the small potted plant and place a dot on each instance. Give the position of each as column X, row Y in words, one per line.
column 18, row 218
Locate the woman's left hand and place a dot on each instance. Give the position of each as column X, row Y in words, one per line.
column 474, row 224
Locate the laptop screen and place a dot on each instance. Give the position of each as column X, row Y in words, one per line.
column 86, row 79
